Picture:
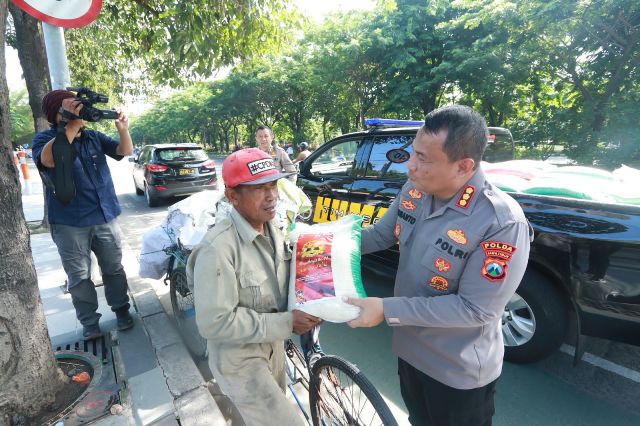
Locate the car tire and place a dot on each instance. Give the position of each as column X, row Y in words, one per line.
column 152, row 201
column 535, row 320
column 138, row 190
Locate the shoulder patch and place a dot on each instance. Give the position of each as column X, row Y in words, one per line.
column 466, row 196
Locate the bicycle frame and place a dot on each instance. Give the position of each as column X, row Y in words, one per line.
column 177, row 252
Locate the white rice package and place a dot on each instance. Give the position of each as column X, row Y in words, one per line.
column 325, row 268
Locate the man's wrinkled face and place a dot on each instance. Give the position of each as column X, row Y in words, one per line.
column 429, row 166
column 264, row 138
column 256, row 203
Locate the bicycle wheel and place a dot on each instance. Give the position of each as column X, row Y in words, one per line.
column 184, row 313
column 341, row 395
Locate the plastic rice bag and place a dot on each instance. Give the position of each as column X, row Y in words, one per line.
column 325, row 268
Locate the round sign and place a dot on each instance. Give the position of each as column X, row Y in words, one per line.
column 398, row 155
column 62, row 13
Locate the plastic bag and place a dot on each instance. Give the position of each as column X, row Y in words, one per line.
column 325, row 268
column 153, row 260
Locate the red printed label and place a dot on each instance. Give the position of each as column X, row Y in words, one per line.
column 314, row 278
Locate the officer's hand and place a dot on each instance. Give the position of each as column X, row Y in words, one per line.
column 371, row 312
column 122, row 122
column 303, row 322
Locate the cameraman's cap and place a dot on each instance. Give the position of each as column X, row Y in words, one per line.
column 250, row 166
column 52, row 101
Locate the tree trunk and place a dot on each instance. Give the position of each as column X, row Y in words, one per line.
column 29, row 377
column 33, row 59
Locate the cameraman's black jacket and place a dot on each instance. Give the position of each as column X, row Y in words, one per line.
column 95, row 201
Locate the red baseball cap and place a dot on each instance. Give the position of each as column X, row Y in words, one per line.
column 250, row 166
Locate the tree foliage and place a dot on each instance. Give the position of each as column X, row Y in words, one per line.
column 139, row 43
column 557, row 73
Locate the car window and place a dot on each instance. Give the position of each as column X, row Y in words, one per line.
column 500, row 147
column 335, row 160
column 379, row 166
column 145, row 155
column 182, row 154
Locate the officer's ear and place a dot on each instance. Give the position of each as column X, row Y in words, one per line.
column 466, row 166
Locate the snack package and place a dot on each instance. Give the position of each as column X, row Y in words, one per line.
column 325, row 268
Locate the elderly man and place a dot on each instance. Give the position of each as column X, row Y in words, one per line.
column 282, row 161
column 464, row 247
column 240, row 272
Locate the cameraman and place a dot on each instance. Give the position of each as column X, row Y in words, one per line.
column 87, row 222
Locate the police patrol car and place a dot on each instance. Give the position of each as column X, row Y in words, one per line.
column 361, row 173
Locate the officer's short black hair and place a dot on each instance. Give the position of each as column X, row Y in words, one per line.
column 467, row 131
column 264, row 127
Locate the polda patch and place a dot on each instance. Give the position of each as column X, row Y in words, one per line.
column 498, row 250
column 466, row 196
column 442, row 265
column 457, row 235
column 439, row 283
column 397, row 230
column 409, row 205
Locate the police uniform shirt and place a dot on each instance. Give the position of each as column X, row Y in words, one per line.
column 459, row 266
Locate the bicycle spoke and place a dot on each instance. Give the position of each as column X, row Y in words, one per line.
column 342, row 402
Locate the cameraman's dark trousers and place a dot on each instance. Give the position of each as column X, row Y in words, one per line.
column 75, row 245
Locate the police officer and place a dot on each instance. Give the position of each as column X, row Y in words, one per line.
column 282, row 161
column 464, row 246
column 240, row 272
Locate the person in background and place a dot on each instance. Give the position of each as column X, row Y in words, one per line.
column 282, row 161
column 304, row 152
column 88, row 222
column 464, row 247
column 240, row 274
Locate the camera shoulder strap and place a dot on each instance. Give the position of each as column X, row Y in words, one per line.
column 64, row 154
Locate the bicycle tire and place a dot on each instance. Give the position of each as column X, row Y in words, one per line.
column 331, row 405
column 184, row 313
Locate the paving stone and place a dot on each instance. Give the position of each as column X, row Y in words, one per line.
column 161, row 331
column 147, row 303
column 199, row 408
column 179, row 369
column 150, row 398
column 137, row 353
column 137, row 285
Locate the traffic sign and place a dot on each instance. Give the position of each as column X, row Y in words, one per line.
column 62, row 13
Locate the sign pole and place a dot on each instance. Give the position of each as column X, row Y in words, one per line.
column 56, row 56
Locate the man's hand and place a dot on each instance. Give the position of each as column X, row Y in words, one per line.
column 73, row 127
column 303, row 322
column 371, row 312
column 122, row 122
column 125, row 147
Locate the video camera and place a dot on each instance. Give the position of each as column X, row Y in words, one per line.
column 88, row 112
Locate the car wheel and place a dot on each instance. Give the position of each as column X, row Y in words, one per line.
column 138, row 190
column 535, row 320
column 152, row 201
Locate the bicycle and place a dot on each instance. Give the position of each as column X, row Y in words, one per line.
column 181, row 297
column 339, row 393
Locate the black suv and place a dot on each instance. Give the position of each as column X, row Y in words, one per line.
column 583, row 261
column 169, row 170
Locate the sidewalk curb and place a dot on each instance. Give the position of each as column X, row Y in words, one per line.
column 193, row 404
